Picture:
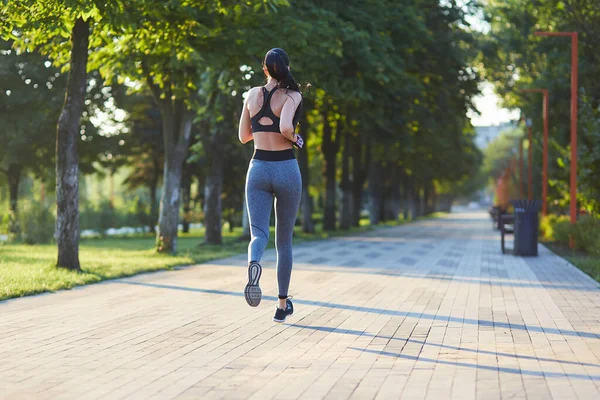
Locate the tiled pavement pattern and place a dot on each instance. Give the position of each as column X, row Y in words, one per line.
column 428, row 310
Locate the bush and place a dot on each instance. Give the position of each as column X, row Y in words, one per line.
column 595, row 250
column 561, row 231
column 10, row 226
column 553, row 225
column 4, row 221
column 585, row 233
column 103, row 216
column 36, row 224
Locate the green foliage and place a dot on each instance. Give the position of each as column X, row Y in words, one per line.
column 30, row 100
column 36, row 223
column 555, row 228
column 396, row 76
column 10, row 226
column 585, row 233
column 589, row 154
column 515, row 59
column 103, row 215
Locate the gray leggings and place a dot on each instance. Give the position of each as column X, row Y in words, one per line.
column 266, row 179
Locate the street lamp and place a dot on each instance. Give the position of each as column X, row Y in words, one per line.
column 521, row 177
column 545, row 146
column 574, row 52
column 529, row 157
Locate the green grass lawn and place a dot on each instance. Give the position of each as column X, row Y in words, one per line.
column 26, row 270
column 585, row 262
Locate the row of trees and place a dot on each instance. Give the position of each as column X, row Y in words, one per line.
column 516, row 59
column 391, row 85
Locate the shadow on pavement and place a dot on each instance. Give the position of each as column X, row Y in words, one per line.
column 485, row 367
column 399, row 313
column 443, row 346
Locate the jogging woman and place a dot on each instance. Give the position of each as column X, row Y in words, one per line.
column 269, row 118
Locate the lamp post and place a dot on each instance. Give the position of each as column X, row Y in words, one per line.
column 574, row 72
column 521, row 177
column 529, row 163
column 545, row 148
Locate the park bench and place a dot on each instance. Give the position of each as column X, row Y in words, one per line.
column 494, row 211
column 506, row 224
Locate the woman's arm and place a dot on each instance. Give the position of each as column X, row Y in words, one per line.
column 286, row 123
column 245, row 128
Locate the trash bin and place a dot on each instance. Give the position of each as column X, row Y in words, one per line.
column 526, row 227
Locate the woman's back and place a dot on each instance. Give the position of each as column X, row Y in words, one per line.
column 283, row 104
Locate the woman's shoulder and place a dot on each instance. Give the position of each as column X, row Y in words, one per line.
column 255, row 89
column 296, row 96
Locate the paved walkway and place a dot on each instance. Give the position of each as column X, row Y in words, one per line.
column 429, row 310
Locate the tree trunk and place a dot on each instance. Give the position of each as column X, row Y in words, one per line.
column 413, row 197
column 346, row 212
column 212, row 201
column 420, row 201
column 383, row 206
column 374, row 192
column 111, row 189
column 230, row 222
column 428, row 195
column 43, row 192
column 67, row 159
column 392, row 199
column 361, row 159
column 434, row 199
column 13, row 174
column 168, row 221
column 330, row 148
column 306, row 201
column 177, row 130
column 404, row 203
column 153, row 200
column 186, row 192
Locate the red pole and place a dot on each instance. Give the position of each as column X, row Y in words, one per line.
column 521, row 177
column 529, row 163
column 545, row 156
column 574, row 73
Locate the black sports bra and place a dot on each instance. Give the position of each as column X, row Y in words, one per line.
column 266, row 111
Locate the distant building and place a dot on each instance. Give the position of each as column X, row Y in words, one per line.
column 485, row 134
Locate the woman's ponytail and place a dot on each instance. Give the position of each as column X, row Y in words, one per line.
column 277, row 63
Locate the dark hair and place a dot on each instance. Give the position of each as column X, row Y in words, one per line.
column 277, row 63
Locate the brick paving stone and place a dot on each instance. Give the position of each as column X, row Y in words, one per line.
column 429, row 310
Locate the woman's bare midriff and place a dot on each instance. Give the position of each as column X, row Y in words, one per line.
column 271, row 141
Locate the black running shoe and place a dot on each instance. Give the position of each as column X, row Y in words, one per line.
column 252, row 291
column 280, row 315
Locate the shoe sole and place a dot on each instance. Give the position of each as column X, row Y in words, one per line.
column 252, row 291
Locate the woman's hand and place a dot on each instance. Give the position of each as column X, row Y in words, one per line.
column 299, row 143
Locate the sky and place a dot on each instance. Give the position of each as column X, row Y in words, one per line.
column 487, row 102
column 491, row 113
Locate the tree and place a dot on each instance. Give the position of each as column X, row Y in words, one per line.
column 22, row 25
column 143, row 146
column 29, row 109
column 173, row 48
column 515, row 59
